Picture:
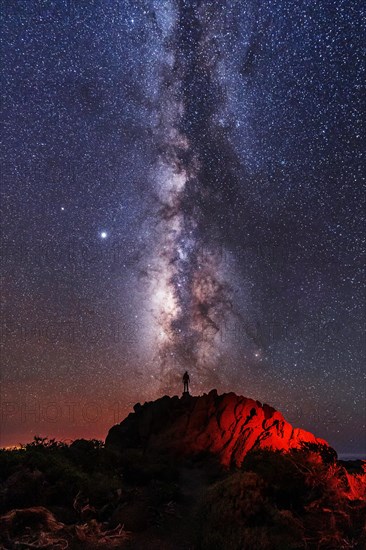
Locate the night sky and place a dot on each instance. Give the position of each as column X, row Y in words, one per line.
column 182, row 189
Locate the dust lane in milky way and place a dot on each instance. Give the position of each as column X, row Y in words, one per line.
column 191, row 296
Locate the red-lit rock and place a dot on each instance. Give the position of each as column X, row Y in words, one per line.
column 227, row 426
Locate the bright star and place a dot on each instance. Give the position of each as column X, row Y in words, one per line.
column 103, row 234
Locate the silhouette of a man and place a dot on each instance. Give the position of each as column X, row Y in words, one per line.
column 185, row 382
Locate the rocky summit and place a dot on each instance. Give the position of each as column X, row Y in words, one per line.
column 226, row 426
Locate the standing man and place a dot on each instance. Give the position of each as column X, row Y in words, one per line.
column 185, row 382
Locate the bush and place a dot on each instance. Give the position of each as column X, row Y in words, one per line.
column 45, row 472
column 236, row 514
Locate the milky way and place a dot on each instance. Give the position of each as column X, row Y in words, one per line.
column 182, row 189
column 191, row 298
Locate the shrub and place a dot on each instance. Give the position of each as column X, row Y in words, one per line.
column 236, row 514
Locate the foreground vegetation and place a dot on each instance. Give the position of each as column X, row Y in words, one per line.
column 83, row 495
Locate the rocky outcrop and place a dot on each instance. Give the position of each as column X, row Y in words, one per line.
column 227, row 426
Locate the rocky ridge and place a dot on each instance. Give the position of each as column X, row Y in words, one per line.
column 227, row 426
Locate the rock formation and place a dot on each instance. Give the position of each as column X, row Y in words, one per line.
column 227, row 426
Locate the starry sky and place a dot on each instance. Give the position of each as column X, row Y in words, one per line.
column 181, row 189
